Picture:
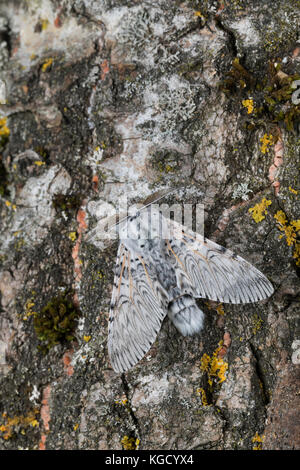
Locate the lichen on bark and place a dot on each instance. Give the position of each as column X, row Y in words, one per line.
column 112, row 99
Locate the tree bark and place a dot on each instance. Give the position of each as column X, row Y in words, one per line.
column 106, row 100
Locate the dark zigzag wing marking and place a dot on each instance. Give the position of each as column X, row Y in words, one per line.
column 139, row 305
column 205, row 269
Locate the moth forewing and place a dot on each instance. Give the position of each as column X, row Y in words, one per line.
column 138, row 307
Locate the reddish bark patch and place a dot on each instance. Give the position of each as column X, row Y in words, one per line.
column 67, row 358
column 225, row 346
column 45, row 416
column 95, row 182
column 82, row 226
column 105, row 69
column 282, row 430
column 278, row 161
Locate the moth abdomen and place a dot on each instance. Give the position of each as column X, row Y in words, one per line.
column 186, row 315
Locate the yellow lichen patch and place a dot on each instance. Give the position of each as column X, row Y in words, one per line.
column 260, row 210
column 257, row 323
column 293, row 190
column 257, row 441
column 249, row 105
column 214, row 366
column 218, row 369
column 47, row 64
column 168, row 168
column 12, row 206
column 18, row 424
column 205, row 361
column 34, row 423
column 19, row 243
column 29, row 309
column 86, row 338
column 101, row 146
column 289, row 231
column 4, row 130
column 130, row 443
column 267, row 140
column 281, row 218
column 75, row 427
column 124, row 402
column 220, row 309
column 198, row 14
column 39, row 163
column 165, row 168
column 201, row 393
column 44, row 24
column 296, row 225
column 296, row 254
column 72, row 236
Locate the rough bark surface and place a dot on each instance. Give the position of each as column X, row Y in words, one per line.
column 106, row 99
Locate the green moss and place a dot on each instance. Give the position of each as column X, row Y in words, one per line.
column 3, row 180
column 165, row 162
column 56, row 321
column 271, row 95
column 237, row 78
column 257, row 323
column 189, row 69
column 65, row 202
column 42, row 151
column 282, row 38
column 19, row 244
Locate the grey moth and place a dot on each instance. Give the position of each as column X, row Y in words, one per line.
column 161, row 268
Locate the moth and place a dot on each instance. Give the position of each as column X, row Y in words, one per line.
column 161, row 268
